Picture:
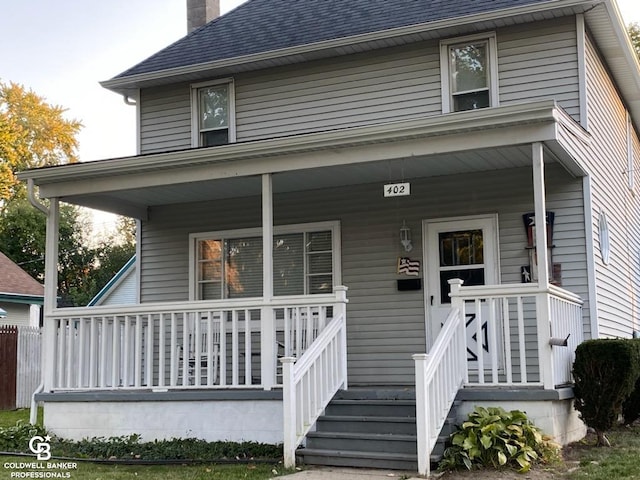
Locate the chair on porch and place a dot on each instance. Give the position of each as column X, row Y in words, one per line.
column 199, row 355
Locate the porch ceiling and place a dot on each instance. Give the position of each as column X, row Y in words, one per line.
column 498, row 138
column 385, row 171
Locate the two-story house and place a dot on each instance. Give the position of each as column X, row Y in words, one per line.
column 312, row 179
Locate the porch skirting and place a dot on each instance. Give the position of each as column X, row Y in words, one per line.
column 550, row 410
column 212, row 416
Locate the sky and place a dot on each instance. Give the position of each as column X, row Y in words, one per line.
column 62, row 49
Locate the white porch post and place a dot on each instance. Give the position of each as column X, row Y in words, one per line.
column 543, row 313
column 268, row 339
column 50, row 292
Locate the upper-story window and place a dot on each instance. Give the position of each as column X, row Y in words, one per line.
column 213, row 113
column 469, row 73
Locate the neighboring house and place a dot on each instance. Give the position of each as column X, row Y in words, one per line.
column 122, row 289
column 290, row 148
column 21, row 296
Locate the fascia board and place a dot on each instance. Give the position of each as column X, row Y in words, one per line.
column 525, row 113
column 123, row 84
column 21, row 298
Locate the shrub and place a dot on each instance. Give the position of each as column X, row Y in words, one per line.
column 131, row 448
column 631, row 406
column 493, row 437
column 605, row 372
column 16, row 438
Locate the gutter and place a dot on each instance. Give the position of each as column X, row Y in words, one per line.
column 526, row 114
column 122, row 84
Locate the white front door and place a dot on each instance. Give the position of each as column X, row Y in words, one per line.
column 465, row 248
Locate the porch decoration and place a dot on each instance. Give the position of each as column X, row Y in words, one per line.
column 405, row 237
column 529, row 272
column 407, row 266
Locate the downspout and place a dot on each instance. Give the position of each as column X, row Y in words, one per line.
column 32, row 198
column 33, row 414
column 128, row 101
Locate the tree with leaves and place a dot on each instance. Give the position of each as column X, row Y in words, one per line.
column 33, row 134
column 82, row 270
column 634, row 35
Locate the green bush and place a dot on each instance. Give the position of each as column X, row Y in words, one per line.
column 631, row 406
column 493, row 437
column 16, row 438
column 130, row 447
column 605, row 372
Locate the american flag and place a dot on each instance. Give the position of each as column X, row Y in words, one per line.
column 408, row 266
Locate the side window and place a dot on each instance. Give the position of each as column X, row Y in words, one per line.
column 213, row 114
column 469, row 73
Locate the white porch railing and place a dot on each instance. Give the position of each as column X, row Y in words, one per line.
column 518, row 334
column 311, row 381
column 439, row 376
column 186, row 345
column 566, row 324
column 514, row 324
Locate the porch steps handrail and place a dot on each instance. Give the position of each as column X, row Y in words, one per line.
column 310, row 382
column 439, row 376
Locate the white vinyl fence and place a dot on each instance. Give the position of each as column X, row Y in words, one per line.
column 29, row 364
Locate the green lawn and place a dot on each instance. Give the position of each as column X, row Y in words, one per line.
column 8, row 418
column 90, row 471
column 621, row 461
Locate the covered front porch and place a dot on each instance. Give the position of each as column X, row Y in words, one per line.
column 294, row 351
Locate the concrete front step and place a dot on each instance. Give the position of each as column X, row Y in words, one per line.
column 341, row 458
column 373, row 407
column 374, row 428
column 375, row 424
column 362, row 442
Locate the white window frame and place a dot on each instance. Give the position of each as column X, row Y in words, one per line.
column 333, row 226
column 445, row 72
column 195, row 109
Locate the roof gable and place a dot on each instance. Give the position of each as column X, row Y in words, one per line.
column 14, row 280
column 260, row 26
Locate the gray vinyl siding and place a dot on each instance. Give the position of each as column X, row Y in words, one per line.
column 376, row 87
column 124, row 293
column 165, row 118
column 17, row 313
column 540, row 64
column 385, row 327
column 617, row 282
column 535, row 62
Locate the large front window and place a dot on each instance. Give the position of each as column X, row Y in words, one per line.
column 213, row 107
column 229, row 264
column 468, row 74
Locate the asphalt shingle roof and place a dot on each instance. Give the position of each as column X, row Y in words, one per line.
column 260, row 26
column 15, row 280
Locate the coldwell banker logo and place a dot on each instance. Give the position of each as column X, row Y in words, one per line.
column 41, row 447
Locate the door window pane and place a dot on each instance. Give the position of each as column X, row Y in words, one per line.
column 461, row 248
column 470, row 276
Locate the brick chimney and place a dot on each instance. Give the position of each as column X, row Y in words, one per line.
column 200, row 12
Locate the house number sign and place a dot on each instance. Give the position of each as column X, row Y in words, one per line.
column 397, row 189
